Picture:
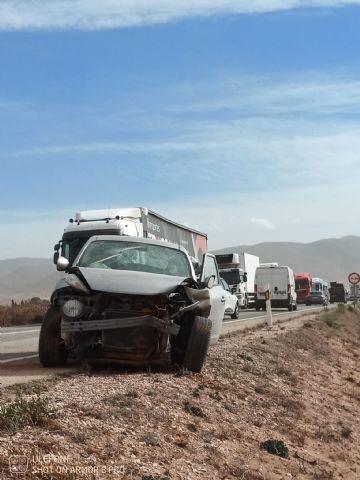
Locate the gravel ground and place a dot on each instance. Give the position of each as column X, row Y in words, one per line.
column 298, row 383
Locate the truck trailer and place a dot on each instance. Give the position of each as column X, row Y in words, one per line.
column 238, row 270
column 337, row 292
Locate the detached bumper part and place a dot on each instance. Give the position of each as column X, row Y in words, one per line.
column 69, row 326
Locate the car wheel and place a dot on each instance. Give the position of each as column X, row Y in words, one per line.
column 52, row 352
column 198, row 344
column 235, row 315
column 295, row 307
column 291, row 307
column 257, row 308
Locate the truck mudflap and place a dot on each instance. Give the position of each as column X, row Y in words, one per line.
column 71, row 326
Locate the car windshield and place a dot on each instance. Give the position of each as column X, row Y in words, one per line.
column 139, row 257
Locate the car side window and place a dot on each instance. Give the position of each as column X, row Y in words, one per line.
column 210, row 268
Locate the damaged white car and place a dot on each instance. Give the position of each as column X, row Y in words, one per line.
column 135, row 302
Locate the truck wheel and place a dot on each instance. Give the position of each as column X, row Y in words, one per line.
column 198, row 344
column 52, row 352
column 235, row 315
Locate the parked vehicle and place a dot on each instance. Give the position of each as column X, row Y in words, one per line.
column 280, row 281
column 133, row 301
column 319, row 292
column 232, row 307
column 239, row 272
column 303, row 283
column 338, row 293
column 139, row 222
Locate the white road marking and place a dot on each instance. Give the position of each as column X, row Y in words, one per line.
column 18, row 333
column 18, row 358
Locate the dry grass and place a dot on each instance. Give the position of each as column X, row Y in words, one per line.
column 22, row 314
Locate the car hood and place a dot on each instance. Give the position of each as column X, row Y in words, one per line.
column 127, row 282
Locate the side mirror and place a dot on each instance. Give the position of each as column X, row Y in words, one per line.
column 56, row 257
column 245, row 277
column 62, row 264
column 57, row 247
column 233, row 290
column 209, row 281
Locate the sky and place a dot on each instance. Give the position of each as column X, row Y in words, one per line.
column 238, row 118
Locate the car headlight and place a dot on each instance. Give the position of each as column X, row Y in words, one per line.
column 75, row 282
column 72, row 308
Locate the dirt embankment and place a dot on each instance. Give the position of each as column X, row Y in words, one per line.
column 299, row 383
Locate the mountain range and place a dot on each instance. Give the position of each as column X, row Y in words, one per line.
column 331, row 259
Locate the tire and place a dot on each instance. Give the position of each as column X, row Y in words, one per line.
column 257, row 308
column 295, row 307
column 308, row 304
column 52, row 352
column 291, row 307
column 235, row 315
column 198, row 344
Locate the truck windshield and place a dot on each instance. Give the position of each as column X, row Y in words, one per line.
column 232, row 277
column 302, row 284
column 139, row 257
column 71, row 247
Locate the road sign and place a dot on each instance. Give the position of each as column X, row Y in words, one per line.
column 354, row 278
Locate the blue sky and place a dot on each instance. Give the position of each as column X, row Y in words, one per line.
column 239, row 118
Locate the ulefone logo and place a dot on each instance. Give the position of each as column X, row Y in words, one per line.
column 18, row 464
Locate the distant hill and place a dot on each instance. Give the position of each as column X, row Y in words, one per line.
column 331, row 259
column 23, row 278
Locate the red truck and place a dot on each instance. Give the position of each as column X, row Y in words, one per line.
column 303, row 283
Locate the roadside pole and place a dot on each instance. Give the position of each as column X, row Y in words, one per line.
column 269, row 319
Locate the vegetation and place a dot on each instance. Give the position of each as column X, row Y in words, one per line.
column 22, row 314
column 22, row 412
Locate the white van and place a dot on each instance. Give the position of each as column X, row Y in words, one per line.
column 281, row 282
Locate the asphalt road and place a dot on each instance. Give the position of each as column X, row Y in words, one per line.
column 20, row 344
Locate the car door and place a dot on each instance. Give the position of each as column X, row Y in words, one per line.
column 217, row 295
column 230, row 299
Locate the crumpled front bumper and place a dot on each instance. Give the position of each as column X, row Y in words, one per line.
column 80, row 325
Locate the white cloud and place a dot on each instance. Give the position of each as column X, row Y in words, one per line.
column 297, row 170
column 311, row 93
column 263, row 222
column 106, row 14
column 300, row 213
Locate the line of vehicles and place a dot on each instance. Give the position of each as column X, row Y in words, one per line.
column 140, row 289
